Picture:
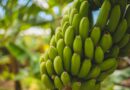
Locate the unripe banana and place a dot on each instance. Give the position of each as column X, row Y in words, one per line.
column 44, row 57
column 84, row 9
column 58, row 34
column 69, row 36
column 76, row 86
column 76, row 4
column 106, row 42
column 88, row 85
column 49, row 67
column 75, row 22
column 58, row 83
column 85, row 68
column 72, row 13
column 99, row 55
column 94, row 72
column 107, row 64
column 65, row 26
column 52, row 52
column 67, row 55
column 52, row 42
column 124, row 40
column 75, row 64
column 127, row 16
column 47, row 82
column 43, row 68
column 82, row 54
column 114, row 52
column 103, row 14
column 65, row 78
column 105, row 74
column 95, row 35
column 114, row 18
column 77, row 45
column 120, row 31
column 41, row 59
column 89, row 48
column 58, row 65
column 125, row 50
column 65, row 19
column 60, row 47
column 84, row 28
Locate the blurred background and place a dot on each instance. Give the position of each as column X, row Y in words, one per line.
column 26, row 27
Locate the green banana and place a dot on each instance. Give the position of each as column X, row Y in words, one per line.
column 103, row 14
column 58, row 65
column 84, row 9
column 84, row 28
column 76, row 4
column 69, row 36
column 85, row 68
column 75, row 64
column 65, row 26
column 76, row 85
column 114, row 52
column 127, row 15
column 58, row 83
column 105, row 74
column 125, row 50
column 43, row 68
column 65, row 78
column 95, row 35
column 52, row 42
column 72, row 13
column 47, row 82
column 114, row 18
column 77, row 45
column 82, row 54
column 89, row 48
column 65, row 19
column 107, row 64
column 94, row 72
column 75, row 23
column 49, row 67
column 58, row 34
column 60, row 47
column 125, row 39
column 67, row 55
column 120, row 32
column 106, row 42
column 99, row 55
column 88, row 85
column 44, row 57
column 41, row 59
column 52, row 52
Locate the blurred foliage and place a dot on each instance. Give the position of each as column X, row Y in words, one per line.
column 20, row 49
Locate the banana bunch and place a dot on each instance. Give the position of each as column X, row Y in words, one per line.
column 82, row 54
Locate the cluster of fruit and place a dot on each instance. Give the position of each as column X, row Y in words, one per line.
column 83, row 54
